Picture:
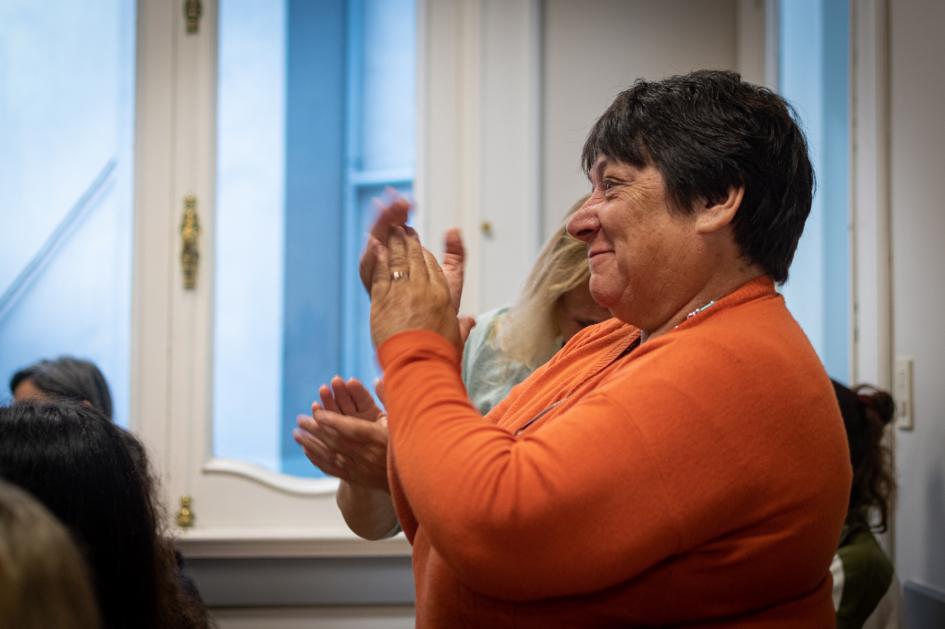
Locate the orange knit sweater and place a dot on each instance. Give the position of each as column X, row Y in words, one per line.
column 699, row 479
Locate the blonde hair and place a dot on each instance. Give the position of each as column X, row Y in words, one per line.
column 529, row 332
column 43, row 578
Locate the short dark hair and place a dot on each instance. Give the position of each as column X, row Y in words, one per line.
column 93, row 477
column 708, row 132
column 68, row 378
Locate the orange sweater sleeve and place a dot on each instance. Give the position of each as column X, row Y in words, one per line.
column 518, row 517
column 663, row 456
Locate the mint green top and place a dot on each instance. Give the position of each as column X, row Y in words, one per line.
column 487, row 373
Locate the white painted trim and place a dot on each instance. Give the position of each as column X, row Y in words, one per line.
column 872, row 347
column 154, row 239
column 448, row 151
column 190, row 375
column 510, row 140
column 479, row 65
column 295, row 542
column 870, row 211
column 293, row 485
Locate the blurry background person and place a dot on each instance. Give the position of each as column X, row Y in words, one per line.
column 80, row 466
column 64, row 378
column 68, row 379
column 510, row 342
column 347, row 433
column 44, row 582
column 865, row 591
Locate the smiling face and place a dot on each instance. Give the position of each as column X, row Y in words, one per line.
column 641, row 254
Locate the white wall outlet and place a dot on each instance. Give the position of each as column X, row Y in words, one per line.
column 902, row 393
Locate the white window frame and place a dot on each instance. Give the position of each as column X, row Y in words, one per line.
column 464, row 144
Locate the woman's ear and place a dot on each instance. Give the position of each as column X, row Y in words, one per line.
column 716, row 216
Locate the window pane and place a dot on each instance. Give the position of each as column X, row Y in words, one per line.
column 66, row 119
column 315, row 106
column 814, row 77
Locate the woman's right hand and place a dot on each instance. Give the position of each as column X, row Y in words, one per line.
column 392, row 212
column 346, row 436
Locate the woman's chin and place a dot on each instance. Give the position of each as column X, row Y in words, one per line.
column 604, row 296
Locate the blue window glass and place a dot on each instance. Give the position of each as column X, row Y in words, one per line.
column 66, row 123
column 315, row 115
column 814, row 76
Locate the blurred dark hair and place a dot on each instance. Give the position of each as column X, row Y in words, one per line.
column 93, row 477
column 709, row 132
column 68, row 378
column 866, row 413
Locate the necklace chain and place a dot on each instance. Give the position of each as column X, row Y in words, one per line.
column 698, row 310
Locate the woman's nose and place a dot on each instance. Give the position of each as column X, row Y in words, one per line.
column 583, row 224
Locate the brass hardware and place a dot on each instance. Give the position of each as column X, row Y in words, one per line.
column 486, row 229
column 185, row 516
column 193, row 9
column 189, row 235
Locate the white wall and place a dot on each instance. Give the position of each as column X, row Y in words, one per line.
column 917, row 190
column 507, row 92
column 596, row 48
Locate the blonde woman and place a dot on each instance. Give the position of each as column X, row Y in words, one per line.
column 43, row 578
column 509, row 343
column 346, row 436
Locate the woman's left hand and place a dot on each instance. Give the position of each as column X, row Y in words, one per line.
column 409, row 290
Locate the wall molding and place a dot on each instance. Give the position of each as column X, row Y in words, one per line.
column 285, row 582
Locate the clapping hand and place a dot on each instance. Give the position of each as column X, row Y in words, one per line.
column 393, row 213
column 346, row 435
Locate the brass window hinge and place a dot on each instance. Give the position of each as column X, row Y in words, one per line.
column 190, row 242
column 193, row 9
column 185, row 516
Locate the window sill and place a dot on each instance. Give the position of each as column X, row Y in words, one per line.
column 284, row 543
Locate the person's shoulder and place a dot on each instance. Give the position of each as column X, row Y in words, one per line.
column 479, row 351
column 483, row 330
column 867, row 575
column 490, row 316
column 862, row 556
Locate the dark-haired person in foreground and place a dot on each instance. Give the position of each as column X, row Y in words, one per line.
column 683, row 464
column 80, row 467
column 864, row 589
column 68, row 379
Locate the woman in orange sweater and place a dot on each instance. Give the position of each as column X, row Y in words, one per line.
column 682, row 464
